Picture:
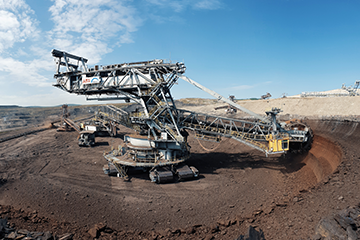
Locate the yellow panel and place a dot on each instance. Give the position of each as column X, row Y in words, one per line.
column 278, row 145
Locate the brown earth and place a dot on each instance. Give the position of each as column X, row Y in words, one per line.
column 309, row 106
column 51, row 184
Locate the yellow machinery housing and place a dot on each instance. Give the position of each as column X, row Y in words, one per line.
column 278, row 143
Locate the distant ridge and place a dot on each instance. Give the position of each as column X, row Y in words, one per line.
column 17, row 106
column 9, row 106
column 70, row 105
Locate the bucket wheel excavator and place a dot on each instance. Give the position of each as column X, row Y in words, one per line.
column 159, row 143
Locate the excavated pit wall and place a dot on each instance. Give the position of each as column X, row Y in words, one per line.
column 333, row 120
column 331, row 137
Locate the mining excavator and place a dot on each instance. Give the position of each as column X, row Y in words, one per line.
column 266, row 96
column 86, row 136
column 159, row 143
column 228, row 108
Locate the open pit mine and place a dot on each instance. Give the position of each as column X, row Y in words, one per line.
column 158, row 168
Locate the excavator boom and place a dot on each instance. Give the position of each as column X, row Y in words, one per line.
column 162, row 139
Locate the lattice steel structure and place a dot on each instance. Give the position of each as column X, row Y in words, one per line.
column 162, row 139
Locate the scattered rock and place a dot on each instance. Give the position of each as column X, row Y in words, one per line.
column 23, row 231
column 250, row 220
column 269, row 210
column 316, row 237
column 190, row 230
column 257, row 212
column 176, row 231
column 95, row 231
column 252, row 234
column 328, row 227
column 214, row 228
column 351, row 234
column 47, row 236
column 209, row 237
column 344, row 221
column 233, row 221
column 12, row 235
column 3, row 224
column 108, row 230
column 66, row 236
column 24, row 234
column 342, row 225
column 224, row 223
column 154, row 235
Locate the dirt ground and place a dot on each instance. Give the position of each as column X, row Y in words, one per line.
column 48, row 183
column 309, row 107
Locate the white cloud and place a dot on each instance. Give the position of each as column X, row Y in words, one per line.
column 16, row 23
column 8, row 20
column 29, row 99
column 12, row 5
column 245, row 87
column 207, row 4
column 86, row 27
column 52, row 97
column 177, row 6
column 24, row 72
column 165, row 19
column 181, row 5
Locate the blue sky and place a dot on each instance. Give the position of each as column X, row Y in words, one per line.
column 243, row 48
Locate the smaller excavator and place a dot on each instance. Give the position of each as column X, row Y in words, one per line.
column 266, row 96
column 86, row 136
column 228, row 108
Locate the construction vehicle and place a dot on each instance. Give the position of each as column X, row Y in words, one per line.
column 228, row 108
column 352, row 90
column 86, row 136
column 160, row 143
column 266, row 96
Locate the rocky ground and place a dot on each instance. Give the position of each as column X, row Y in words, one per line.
column 49, row 184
